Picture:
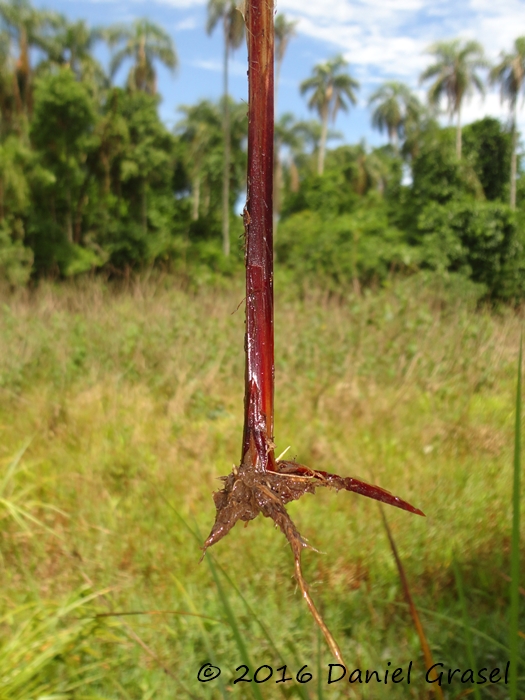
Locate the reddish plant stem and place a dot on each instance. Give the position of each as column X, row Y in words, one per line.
column 260, row 484
column 257, row 442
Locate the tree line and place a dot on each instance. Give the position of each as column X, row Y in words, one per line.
column 90, row 177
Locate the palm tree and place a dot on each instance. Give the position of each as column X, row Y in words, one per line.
column 284, row 32
column 200, row 130
column 73, row 45
column 286, row 135
column 417, row 124
column 370, row 170
column 28, row 28
column 14, row 188
column 144, row 42
column 330, row 85
column 306, row 157
column 455, row 76
column 233, row 28
column 113, row 137
column 7, row 106
column 395, row 105
column 510, row 73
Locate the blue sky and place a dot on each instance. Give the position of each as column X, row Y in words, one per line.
column 381, row 39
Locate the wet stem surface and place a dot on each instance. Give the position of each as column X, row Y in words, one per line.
column 261, row 484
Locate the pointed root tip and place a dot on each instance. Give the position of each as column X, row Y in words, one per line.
column 350, row 484
column 208, row 543
column 415, row 511
column 399, row 503
column 379, row 494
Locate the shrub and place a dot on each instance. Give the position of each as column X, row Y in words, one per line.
column 437, row 173
column 488, row 146
column 482, row 240
column 15, row 259
column 361, row 246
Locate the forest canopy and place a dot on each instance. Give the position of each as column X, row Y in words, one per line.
column 92, row 180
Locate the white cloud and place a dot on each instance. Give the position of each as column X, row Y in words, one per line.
column 381, row 39
column 213, row 65
column 390, row 36
column 179, row 4
column 185, row 24
column 387, row 39
column 216, row 65
column 182, row 4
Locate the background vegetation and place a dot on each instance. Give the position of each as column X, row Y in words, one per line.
column 128, row 406
column 92, row 180
column 399, row 282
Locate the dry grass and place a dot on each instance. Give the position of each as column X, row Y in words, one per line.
column 133, row 397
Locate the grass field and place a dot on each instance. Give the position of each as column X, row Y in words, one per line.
column 121, row 407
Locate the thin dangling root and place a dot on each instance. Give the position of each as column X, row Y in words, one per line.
column 332, row 644
column 248, row 491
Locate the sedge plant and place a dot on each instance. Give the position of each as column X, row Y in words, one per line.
column 261, row 483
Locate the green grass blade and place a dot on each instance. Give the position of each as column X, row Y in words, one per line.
column 226, row 605
column 425, row 646
column 13, row 466
column 205, row 635
column 233, row 624
column 455, row 622
column 18, row 514
column 515, row 550
column 302, row 690
column 464, row 613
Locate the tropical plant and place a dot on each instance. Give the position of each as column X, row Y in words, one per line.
column 145, row 43
column 72, row 46
column 487, row 145
column 415, row 128
column 7, row 105
column 481, row 240
column 330, row 86
column 510, row 74
column 63, row 118
column 14, row 191
column 284, row 30
column 233, row 28
column 395, row 104
column 370, row 171
column 29, row 28
column 15, row 257
column 263, row 483
column 358, row 248
column 145, row 176
column 455, row 76
column 311, row 131
column 351, row 172
column 201, row 132
column 303, row 148
column 287, row 135
column 133, row 215
column 437, row 174
column 112, row 134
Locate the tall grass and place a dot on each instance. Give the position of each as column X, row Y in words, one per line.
column 56, row 649
column 515, row 551
column 128, row 393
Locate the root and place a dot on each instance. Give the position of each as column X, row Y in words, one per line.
column 332, row 644
column 249, row 491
